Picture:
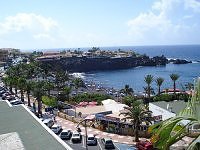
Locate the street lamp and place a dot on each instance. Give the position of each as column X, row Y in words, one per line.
column 86, row 147
column 86, row 135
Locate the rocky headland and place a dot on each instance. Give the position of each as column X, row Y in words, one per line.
column 96, row 60
column 86, row 64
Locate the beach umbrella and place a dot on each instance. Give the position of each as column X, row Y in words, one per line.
column 83, row 103
column 90, row 117
column 93, row 103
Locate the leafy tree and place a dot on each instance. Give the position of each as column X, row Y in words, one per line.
column 137, row 114
column 174, row 78
column 159, row 81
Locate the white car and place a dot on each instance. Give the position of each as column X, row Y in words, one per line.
column 66, row 134
column 76, row 137
column 91, row 140
column 56, row 128
column 48, row 122
column 16, row 102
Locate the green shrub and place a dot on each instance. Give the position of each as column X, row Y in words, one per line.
column 90, row 97
column 171, row 97
column 49, row 101
column 163, row 97
column 128, row 100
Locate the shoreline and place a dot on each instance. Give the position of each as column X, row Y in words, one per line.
column 134, row 77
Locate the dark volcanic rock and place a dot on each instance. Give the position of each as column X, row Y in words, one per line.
column 85, row 64
column 179, row 61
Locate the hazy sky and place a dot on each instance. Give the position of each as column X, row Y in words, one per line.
column 28, row 24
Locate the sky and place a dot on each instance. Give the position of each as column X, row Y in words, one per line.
column 43, row 24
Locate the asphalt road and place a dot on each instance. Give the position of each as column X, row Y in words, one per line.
column 82, row 145
column 99, row 146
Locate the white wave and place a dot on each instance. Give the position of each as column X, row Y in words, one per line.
column 78, row 75
column 172, row 58
column 195, row 62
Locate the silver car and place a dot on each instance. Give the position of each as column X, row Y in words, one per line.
column 91, row 140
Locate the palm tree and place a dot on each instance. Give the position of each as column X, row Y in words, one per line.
column 7, row 81
column 78, row 82
column 136, row 114
column 147, row 90
column 48, row 86
column 159, row 81
column 174, row 77
column 170, row 131
column 189, row 86
column 21, row 84
column 14, row 81
column 60, row 78
column 28, row 88
column 148, row 79
column 38, row 91
column 127, row 90
column 64, row 94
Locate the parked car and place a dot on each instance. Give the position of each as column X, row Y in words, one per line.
column 76, row 137
column 56, row 128
column 5, row 95
column 108, row 143
column 91, row 140
column 66, row 134
column 48, row 122
column 2, row 92
column 144, row 145
column 16, row 102
column 11, row 98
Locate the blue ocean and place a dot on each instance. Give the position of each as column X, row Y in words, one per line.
column 135, row 76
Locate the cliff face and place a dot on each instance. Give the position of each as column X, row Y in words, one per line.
column 84, row 64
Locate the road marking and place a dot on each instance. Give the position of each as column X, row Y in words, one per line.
column 104, row 133
column 120, row 137
column 83, row 140
column 111, row 135
column 117, row 147
column 97, row 131
column 89, row 130
column 99, row 145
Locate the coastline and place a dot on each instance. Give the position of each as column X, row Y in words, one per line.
column 135, row 76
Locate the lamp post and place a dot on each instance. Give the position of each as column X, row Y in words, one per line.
column 86, row 147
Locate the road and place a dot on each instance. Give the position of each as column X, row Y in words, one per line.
column 99, row 146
